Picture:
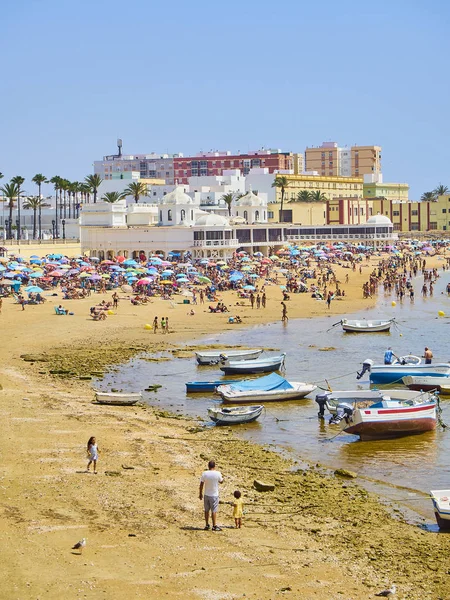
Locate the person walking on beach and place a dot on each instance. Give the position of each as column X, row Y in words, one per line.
column 115, row 298
column 167, row 324
column 284, row 317
column 209, row 482
column 252, row 299
column 155, row 324
column 92, row 451
column 428, row 355
column 263, row 300
column 238, row 509
column 202, row 297
column 329, row 299
column 258, row 301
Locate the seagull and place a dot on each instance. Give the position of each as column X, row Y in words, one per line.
column 80, row 545
column 387, row 593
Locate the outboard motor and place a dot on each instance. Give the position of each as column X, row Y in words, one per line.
column 321, row 400
column 367, row 365
column 344, row 411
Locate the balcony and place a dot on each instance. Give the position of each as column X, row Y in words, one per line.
column 232, row 243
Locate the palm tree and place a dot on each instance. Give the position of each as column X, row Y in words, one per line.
column 228, row 199
column 281, row 182
column 303, row 196
column 441, row 190
column 136, row 189
column 35, row 203
column 113, row 197
column 318, row 196
column 428, row 197
column 85, row 192
column 93, row 182
column 56, row 180
column 18, row 180
column 10, row 192
column 39, row 179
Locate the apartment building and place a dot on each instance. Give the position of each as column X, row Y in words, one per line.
column 215, row 162
column 332, row 160
column 149, row 166
column 416, row 216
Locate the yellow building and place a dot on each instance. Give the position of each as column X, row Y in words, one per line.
column 398, row 192
column 330, row 187
column 301, row 213
column 416, row 216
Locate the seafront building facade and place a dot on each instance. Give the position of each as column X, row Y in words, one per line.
column 332, row 160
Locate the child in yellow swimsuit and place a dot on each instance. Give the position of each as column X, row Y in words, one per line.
column 238, row 509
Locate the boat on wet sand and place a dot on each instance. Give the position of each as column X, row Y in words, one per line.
column 427, row 383
column 260, row 365
column 234, row 415
column 212, row 357
column 206, row 386
column 271, row 388
column 366, row 325
column 389, row 419
column 118, row 398
column 441, row 504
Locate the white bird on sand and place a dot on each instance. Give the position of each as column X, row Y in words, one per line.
column 387, row 593
column 80, row 545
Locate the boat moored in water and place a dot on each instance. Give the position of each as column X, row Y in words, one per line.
column 406, row 365
column 206, row 386
column 212, row 357
column 427, row 383
column 234, row 415
column 271, row 388
column 366, row 325
column 260, row 365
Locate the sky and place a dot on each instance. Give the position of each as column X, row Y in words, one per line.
column 188, row 76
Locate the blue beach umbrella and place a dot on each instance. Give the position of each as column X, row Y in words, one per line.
column 36, row 275
column 249, row 287
column 34, row 289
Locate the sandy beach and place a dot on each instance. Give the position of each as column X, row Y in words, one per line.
column 318, row 535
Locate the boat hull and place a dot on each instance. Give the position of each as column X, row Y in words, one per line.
column 384, row 423
column 205, row 386
column 117, row 399
column 365, row 326
column 426, row 384
column 236, row 416
column 299, row 391
column 383, row 374
column 365, row 398
column 247, row 367
column 213, row 357
column 441, row 506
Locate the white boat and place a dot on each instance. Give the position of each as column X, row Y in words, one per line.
column 407, row 365
column 389, row 418
column 334, row 401
column 234, row 415
column 117, row 398
column 366, row 326
column 212, row 357
column 272, row 388
column 441, row 503
column 427, row 383
column 260, row 365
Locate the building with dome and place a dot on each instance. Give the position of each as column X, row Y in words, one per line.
column 252, row 208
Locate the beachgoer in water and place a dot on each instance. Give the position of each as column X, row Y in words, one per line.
column 92, row 451
column 284, row 316
column 388, row 356
column 428, row 355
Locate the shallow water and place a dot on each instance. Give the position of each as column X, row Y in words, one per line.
column 419, row 463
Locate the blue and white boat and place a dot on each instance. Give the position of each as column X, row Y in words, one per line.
column 407, row 365
column 206, row 386
column 272, row 388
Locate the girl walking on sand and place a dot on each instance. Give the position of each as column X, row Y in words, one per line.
column 92, row 452
column 238, row 509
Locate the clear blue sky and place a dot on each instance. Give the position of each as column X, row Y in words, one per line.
column 183, row 76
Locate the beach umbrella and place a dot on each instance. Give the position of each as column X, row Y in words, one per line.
column 254, row 276
column 166, row 282
column 249, row 287
column 180, row 275
column 36, row 275
column 166, row 263
column 167, row 272
column 34, row 256
column 2, row 268
column 54, row 256
column 10, row 275
column 73, row 272
column 132, row 279
column 258, row 254
column 183, row 280
column 6, row 282
column 127, row 289
column 144, row 281
column 35, row 261
column 3, row 259
column 266, row 261
column 107, row 262
column 64, row 266
column 34, row 289
column 56, row 274
column 95, row 277
column 204, row 279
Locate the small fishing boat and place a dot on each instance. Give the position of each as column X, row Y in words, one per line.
column 212, row 357
column 427, row 383
column 366, row 326
column 260, row 365
column 271, row 388
column 389, row 419
column 234, row 415
column 117, row 398
column 441, row 503
column 206, row 386
column 406, row 365
column 336, row 401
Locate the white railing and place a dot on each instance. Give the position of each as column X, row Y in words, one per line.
column 204, row 243
column 343, row 236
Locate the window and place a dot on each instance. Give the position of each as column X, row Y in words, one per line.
column 183, row 214
column 414, row 226
column 433, row 225
column 160, row 215
column 169, row 215
column 257, row 215
column 444, row 210
column 245, row 215
column 396, row 213
column 414, row 213
column 270, row 214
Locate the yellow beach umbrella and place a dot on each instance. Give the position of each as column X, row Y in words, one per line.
column 166, row 282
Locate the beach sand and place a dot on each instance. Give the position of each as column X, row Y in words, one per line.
column 318, row 535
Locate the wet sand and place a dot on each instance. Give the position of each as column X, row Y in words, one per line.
column 317, row 535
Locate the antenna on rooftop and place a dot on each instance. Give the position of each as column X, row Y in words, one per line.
column 119, row 146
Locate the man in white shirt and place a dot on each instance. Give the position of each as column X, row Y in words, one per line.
column 209, row 482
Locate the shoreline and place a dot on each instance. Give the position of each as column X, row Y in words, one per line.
column 312, row 523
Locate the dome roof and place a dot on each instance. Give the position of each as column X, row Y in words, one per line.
column 250, row 199
column 211, row 220
column 178, row 196
column 379, row 220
